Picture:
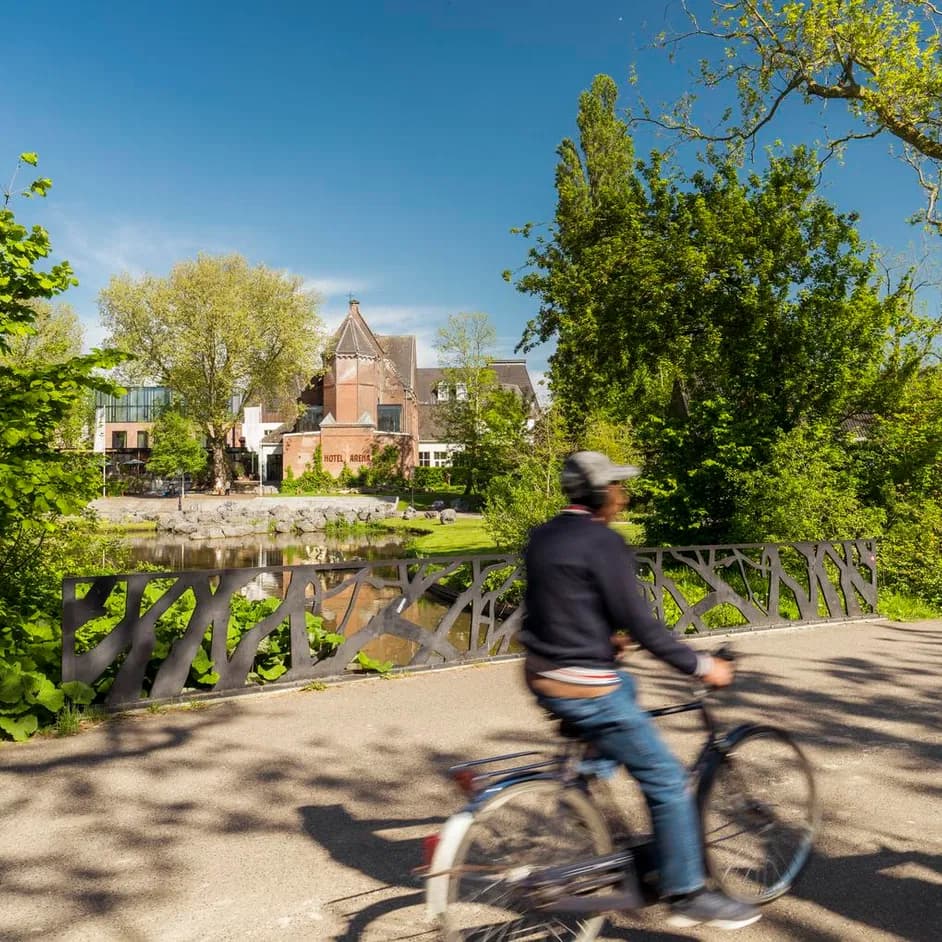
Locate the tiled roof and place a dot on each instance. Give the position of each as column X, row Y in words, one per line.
column 430, row 429
column 510, row 374
column 354, row 337
column 426, row 379
column 276, row 434
column 400, row 351
column 515, row 373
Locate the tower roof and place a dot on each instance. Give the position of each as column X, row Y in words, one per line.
column 354, row 337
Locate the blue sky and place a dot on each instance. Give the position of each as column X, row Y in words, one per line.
column 379, row 148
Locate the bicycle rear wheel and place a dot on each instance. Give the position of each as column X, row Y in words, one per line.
column 759, row 814
column 525, row 827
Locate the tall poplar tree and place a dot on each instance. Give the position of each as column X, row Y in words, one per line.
column 713, row 313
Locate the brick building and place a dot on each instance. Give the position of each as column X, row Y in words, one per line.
column 365, row 401
column 372, row 395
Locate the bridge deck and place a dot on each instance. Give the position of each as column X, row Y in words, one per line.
column 298, row 815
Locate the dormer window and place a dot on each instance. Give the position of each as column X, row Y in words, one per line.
column 443, row 392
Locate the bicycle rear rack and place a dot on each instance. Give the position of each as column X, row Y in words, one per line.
column 476, row 775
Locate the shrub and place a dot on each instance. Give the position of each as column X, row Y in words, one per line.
column 516, row 503
column 347, row 477
column 385, row 465
column 429, row 479
column 910, row 556
column 31, row 689
column 313, row 480
column 807, row 491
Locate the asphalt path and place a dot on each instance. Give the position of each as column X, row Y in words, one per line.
column 300, row 815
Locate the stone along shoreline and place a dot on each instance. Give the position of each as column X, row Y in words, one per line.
column 207, row 518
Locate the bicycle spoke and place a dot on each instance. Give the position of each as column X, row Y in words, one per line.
column 759, row 816
column 529, row 827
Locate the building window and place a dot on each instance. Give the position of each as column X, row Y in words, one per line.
column 311, row 420
column 445, row 392
column 425, row 459
column 389, row 419
column 119, row 440
column 142, row 440
column 141, row 404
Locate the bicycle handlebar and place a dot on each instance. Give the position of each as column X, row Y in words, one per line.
column 726, row 653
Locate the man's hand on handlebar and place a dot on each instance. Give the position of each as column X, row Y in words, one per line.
column 621, row 643
column 720, row 674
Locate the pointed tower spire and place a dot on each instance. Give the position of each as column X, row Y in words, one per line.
column 354, row 337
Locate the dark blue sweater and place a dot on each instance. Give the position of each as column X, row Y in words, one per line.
column 582, row 587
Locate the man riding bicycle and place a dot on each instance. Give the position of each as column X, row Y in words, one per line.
column 582, row 590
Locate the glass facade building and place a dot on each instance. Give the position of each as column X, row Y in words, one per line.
column 141, row 404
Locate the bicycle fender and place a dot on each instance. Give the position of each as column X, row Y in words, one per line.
column 449, row 839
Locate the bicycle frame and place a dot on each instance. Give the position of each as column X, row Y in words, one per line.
column 481, row 779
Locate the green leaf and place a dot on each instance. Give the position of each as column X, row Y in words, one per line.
column 19, row 729
column 271, row 673
column 202, row 662
column 49, row 696
column 78, row 692
column 30, row 157
column 13, row 683
column 373, row 663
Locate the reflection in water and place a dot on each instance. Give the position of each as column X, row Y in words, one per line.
column 372, row 600
column 176, row 553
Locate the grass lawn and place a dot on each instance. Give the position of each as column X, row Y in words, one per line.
column 465, row 535
column 468, row 535
column 632, row 533
column 423, row 500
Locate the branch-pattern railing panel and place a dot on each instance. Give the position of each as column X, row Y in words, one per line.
column 146, row 636
column 699, row 588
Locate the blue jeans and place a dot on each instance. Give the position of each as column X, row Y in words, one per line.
column 622, row 731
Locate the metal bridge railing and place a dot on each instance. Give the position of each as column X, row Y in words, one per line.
column 146, row 637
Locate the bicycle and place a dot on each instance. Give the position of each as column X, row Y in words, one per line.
column 531, row 855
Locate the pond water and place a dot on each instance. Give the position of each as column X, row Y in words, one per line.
column 175, row 553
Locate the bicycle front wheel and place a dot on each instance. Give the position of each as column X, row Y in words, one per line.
column 525, row 827
column 759, row 814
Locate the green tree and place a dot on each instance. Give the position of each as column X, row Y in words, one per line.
column 899, row 460
column 488, row 422
column 55, row 336
column 808, row 490
column 176, row 449
column 39, row 483
column 530, row 494
column 712, row 314
column 882, row 59
column 220, row 334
